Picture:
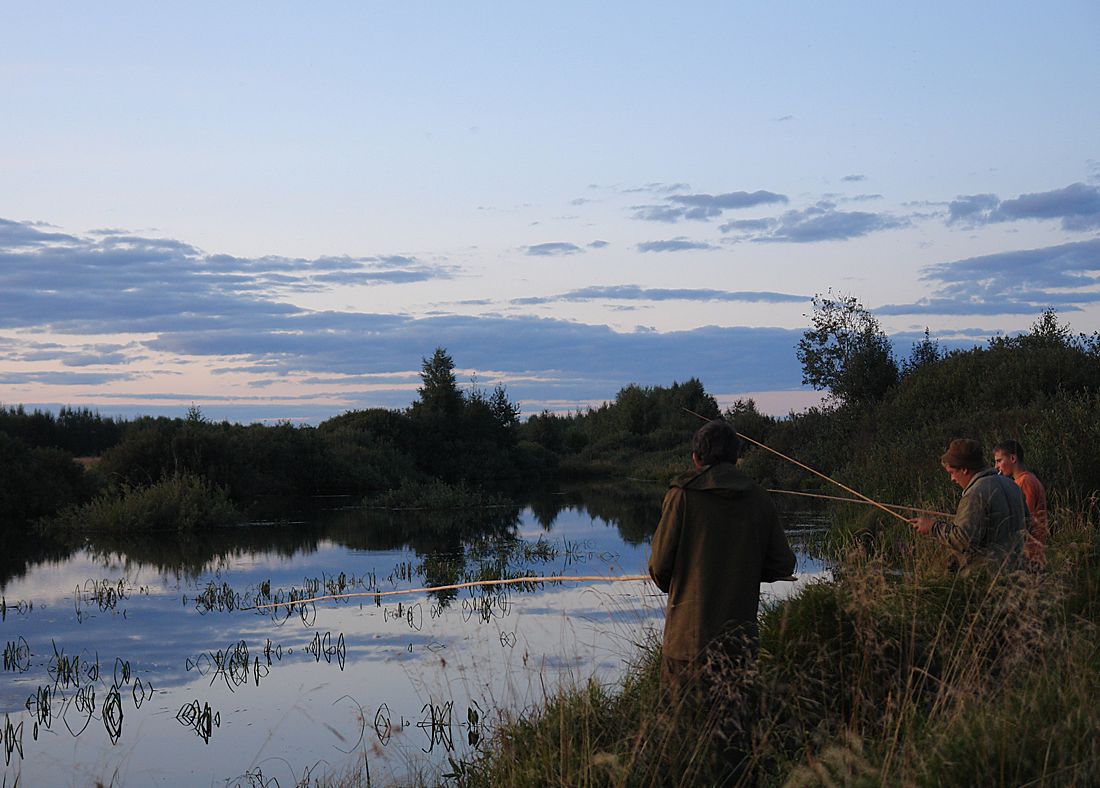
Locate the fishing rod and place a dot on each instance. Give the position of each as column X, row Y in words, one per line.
column 859, row 501
column 456, row 586
column 842, row 486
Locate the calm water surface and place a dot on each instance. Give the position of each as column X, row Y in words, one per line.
column 144, row 661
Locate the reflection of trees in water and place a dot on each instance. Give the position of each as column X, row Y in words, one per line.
column 192, row 554
column 455, row 545
column 22, row 551
column 632, row 507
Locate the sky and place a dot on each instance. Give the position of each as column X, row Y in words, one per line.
column 275, row 211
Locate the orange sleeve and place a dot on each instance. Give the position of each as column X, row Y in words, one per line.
column 1036, row 498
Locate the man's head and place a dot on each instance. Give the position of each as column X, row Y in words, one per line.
column 716, row 441
column 962, row 460
column 1008, row 456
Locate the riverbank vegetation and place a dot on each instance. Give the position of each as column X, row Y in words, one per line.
column 897, row 670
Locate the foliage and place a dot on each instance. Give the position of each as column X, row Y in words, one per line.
column 846, row 352
column 895, row 672
column 435, row 495
column 645, row 432
column 925, row 352
column 36, row 482
column 79, row 431
column 439, row 394
column 181, row 502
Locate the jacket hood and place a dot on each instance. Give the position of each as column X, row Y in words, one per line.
column 722, row 478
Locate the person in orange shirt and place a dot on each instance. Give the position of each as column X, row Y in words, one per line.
column 1009, row 459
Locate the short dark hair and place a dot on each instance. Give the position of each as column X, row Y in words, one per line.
column 716, row 441
column 1011, row 447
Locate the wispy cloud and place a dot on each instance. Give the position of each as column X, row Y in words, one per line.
column 702, row 207
column 553, row 249
column 126, row 283
column 679, row 244
column 854, row 178
column 194, row 306
column 636, row 293
column 1077, row 206
column 64, row 378
column 821, row 222
column 1064, row 277
column 657, row 188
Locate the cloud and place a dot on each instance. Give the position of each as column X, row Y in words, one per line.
column 854, row 178
column 1063, row 277
column 122, row 283
column 553, row 249
column 971, row 207
column 598, row 245
column 679, row 244
column 181, row 301
column 1076, row 205
column 23, row 234
column 658, row 213
column 821, row 222
column 657, row 188
column 701, row 207
column 64, row 378
column 636, row 293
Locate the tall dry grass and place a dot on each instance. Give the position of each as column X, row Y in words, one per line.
column 898, row 671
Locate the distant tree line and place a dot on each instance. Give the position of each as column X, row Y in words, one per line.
column 882, row 428
column 886, row 421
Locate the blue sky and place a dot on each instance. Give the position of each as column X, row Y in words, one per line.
column 275, row 211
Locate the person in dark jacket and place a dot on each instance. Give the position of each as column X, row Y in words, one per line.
column 990, row 523
column 718, row 539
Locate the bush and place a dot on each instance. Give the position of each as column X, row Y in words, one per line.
column 37, row 482
column 181, row 502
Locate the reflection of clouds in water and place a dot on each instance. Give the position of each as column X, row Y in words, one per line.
column 488, row 651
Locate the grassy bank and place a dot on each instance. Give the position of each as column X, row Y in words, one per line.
column 897, row 671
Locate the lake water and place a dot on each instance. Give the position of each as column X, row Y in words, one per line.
column 144, row 661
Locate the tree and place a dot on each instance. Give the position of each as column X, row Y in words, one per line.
column 846, row 352
column 439, row 394
column 503, row 409
column 925, row 352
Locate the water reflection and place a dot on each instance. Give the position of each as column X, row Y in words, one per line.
column 159, row 644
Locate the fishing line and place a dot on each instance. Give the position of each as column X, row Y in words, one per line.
column 793, row 461
column 456, row 586
column 857, row 500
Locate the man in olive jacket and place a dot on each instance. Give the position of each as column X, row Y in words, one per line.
column 719, row 537
column 990, row 523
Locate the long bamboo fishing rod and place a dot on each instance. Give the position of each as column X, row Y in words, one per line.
column 842, row 486
column 472, row 584
column 860, row 501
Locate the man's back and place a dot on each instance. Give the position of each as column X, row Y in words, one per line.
column 719, row 537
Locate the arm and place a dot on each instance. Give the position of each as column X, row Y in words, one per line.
column 967, row 526
column 662, row 557
column 1036, row 499
column 779, row 559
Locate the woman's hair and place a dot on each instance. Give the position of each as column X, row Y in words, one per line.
column 716, row 441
